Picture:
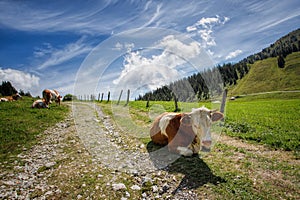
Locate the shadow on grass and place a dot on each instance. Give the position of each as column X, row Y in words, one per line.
column 196, row 171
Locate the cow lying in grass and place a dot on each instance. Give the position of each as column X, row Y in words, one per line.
column 184, row 133
column 14, row 97
column 40, row 103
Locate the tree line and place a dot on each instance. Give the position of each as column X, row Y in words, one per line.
column 7, row 89
column 195, row 87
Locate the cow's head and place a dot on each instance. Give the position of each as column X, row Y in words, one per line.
column 58, row 99
column 202, row 120
column 16, row 96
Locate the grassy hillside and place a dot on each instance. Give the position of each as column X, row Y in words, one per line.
column 266, row 76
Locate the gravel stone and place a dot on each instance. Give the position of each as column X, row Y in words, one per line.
column 118, row 186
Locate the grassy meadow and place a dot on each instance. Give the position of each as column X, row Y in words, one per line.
column 269, row 119
column 227, row 172
column 20, row 124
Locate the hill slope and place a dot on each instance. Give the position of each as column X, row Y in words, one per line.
column 266, row 76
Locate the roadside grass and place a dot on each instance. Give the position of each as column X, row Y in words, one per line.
column 20, row 125
column 250, row 175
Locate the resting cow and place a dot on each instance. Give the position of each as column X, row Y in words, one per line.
column 40, row 103
column 51, row 95
column 184, row 133
column 3, row 99
column 14, row 97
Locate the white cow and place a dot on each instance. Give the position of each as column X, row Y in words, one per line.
column 40, row 103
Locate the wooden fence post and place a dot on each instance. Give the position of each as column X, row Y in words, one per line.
column 102, row 97
column 148, row 103
column 120, row 97
column 128, row 94
column 175, row 102
column 108, row 96
column 222, row 108
column 99, row 97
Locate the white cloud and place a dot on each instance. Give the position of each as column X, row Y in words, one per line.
column 40, row 52
column 127, row 46
column 204, row 29
column 58, row 56
column 118, row 46
column 157, row 70
column 154, row 17
column 191, row 28
column 208, row 22
column 19, row 79
column 233, row 54
column 171, row 44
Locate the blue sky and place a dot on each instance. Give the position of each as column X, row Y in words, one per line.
column 96, row 46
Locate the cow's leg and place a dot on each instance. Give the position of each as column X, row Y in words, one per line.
column 196, row 145
column 185, row 151
column 175, row 148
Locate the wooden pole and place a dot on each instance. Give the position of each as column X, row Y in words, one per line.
column 222, row 108
column 99, row 97
column 102, row 97
column 148, row 103
column 120, row 97
column 128, row 94
column 108, row 96
column 175, row 102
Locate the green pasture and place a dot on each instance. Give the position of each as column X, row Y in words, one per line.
column 271, row 119
column 20, row 124
column 274, row 122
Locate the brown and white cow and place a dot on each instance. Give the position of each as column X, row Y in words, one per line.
column 51, row 95
column 14, row 97
column 3, row 99
column 184, row 133
column 40, row 103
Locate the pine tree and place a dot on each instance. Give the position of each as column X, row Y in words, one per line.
column 6, row 89
column 280, row 61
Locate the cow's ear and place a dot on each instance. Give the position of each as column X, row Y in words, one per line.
column 216, row 116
